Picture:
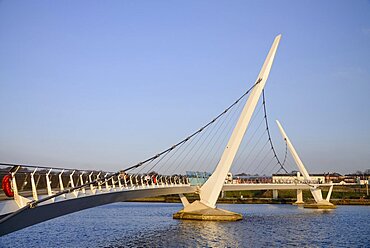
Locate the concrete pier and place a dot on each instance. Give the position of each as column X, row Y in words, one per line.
column 275, row 194
column 324, row 204
column 299, row 201
column 200, row 211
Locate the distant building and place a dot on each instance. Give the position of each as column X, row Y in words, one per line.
column 323, row 178
column 247, row 178
column 296, row 177
column 334, row 177
column 361, row 179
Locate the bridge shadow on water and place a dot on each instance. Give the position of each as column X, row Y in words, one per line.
column 151, row 225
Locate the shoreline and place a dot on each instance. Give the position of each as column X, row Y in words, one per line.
column 173, row 199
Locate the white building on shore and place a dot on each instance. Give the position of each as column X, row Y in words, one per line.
column 297, row 177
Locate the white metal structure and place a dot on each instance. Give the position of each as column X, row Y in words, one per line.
column 210, row 191
column 316, row 192
column 12, row 218
column 72, row 202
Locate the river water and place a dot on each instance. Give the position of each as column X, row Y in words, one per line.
column 151, row 225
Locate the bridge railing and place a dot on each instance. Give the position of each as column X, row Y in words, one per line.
column 36, row 182
column 29, row 180
column 270, row 181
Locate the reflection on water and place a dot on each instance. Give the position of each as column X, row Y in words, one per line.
column 151, row 225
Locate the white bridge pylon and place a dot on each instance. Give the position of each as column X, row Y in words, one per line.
column 211, row 189
column 316, row 192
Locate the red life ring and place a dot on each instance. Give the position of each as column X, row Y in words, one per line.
column 7, row 186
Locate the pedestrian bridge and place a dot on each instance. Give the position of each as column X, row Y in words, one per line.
column 33, row 204
column 33, row 194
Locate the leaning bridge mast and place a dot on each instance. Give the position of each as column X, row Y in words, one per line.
column 209, row 192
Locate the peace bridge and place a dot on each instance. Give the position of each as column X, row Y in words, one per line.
column 33, row 194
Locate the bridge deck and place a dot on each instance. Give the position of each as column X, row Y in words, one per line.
column 59, row 207
column 270, row 186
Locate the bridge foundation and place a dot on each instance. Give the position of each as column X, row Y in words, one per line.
column 275, row 194
column 324, row 204
column 199, row 211
column 299, row 198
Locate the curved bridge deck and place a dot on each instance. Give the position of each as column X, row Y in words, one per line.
column 73, row 203
column 76, row 201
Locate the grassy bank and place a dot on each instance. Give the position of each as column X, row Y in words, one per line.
column 175, row 199
column 342, row 195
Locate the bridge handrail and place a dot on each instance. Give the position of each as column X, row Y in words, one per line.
column 97, row 181
column 47, row 167
column 270, row 181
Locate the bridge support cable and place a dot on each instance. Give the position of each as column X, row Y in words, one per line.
column 161, row 155
column 260, row 154
column 261, row 162
column 253, row 153
column 243, row 146
column 289, row 164
column 286, row 162
column 178, row 162
column 202, row 158
column 221, row 141
column 190, row 156
column 248, row 141
column 215, row 139
column 268, row 133
column 218, row 140
column 193, row 134
column 107, row 177
column 158, row 162
column 181, row 151
column 192, row 141
column 152, row 161
column 244, row 150
column 196, row 136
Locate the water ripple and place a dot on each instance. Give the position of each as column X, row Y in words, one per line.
column 151, row 225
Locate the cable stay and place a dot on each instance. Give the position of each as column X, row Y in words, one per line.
column 269, row 135
column 158, row 157
column 199, row 151
column 192, row 135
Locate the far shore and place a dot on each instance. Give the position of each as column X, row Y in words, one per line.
column 232, row 200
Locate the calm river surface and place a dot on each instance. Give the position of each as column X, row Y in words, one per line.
column 151, row 225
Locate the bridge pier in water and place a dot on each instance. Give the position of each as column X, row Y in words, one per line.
column 275, row 194
column 299, row 201
column 199, row 211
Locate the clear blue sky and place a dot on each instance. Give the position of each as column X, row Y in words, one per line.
column 104, row 84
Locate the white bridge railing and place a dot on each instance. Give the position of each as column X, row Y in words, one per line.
column 32, row 183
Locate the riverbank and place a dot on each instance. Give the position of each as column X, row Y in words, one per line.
column 231, row 200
